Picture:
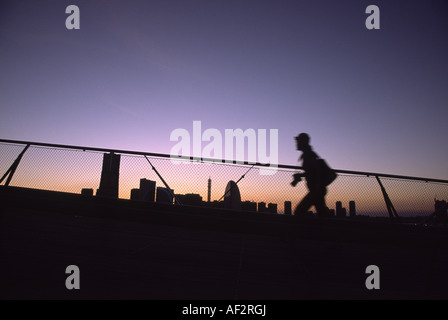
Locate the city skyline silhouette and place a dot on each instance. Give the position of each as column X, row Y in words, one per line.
column 86, row 170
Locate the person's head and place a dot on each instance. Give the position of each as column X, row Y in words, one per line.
column 302, row 141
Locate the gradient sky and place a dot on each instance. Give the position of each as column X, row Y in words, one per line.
column 137, row 70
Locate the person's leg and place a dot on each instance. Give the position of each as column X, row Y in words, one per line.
column 319, row 202
column 304, row 205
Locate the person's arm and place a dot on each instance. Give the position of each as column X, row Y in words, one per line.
column 297, row 178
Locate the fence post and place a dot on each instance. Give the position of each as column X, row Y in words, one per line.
column 390, row 207
column 12, row 169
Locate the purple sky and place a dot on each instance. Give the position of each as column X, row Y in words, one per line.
column 136, row 70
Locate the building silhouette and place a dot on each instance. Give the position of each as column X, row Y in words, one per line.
column 190, row 199
column 272, row 208
column 232, row 198
column 352, row 209
column 147, row 190
column 135, row 194
column 340, row 211
column 87, row 192
column 288, row 207
column 249, row 206
column 164, row 195
column 109, row 176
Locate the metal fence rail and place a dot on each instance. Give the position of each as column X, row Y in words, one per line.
column 73, row 168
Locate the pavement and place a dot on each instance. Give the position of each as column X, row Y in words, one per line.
column 133, row 250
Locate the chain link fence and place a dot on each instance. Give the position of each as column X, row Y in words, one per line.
column 73, row 169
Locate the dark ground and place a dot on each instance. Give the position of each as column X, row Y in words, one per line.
column 134, row 250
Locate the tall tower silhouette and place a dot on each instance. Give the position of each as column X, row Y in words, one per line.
column 209, row 194
column 109, row 176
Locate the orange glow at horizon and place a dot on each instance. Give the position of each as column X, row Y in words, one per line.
column 72, row 170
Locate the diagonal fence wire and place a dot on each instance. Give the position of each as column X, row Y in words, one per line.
column 72, row 169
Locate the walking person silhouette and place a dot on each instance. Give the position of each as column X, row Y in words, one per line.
column 313, row 175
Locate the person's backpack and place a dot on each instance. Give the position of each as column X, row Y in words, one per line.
column 328, row 174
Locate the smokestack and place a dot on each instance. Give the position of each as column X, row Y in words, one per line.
column 209, row 194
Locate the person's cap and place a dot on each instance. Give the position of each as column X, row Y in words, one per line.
column 303, row 137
